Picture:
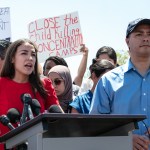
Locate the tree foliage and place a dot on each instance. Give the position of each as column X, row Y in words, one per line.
column 122, row 57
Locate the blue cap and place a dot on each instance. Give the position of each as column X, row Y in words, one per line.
column 133, row 24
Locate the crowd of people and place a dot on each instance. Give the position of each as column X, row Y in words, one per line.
column 110, row 89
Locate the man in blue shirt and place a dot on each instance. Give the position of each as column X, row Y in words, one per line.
column 126, row 89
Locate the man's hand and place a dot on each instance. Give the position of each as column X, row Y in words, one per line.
column 140, row 142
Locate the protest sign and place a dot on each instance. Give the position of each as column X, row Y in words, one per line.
column 56, row 36
column 5, row 26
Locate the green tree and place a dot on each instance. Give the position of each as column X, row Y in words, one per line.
column 122, row 57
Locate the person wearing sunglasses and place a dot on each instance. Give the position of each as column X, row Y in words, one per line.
column 56, row 60
column 62, row 83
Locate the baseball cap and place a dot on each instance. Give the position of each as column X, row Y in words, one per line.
column 133, row 24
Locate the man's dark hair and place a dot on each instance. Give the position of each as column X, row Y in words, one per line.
column 4, row 44
column 109, row 51
column 100, row 67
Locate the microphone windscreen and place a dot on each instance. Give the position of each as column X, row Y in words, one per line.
column 14, row 115
column 35, row 103
column 4, row 120
column 36, row 107
column 26, row 98
column 55, row 109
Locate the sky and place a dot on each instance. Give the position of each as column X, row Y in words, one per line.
column 103, row 22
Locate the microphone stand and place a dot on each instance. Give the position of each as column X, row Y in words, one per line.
column 27, row 112
column 23, row 146
column 24, row 114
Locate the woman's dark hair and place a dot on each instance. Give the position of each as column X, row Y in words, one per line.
column 100, row 67
column 57, row 60
column 109, row 51
column 8, row 69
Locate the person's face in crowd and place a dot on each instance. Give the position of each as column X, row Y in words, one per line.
column 105, row 56
column 58, row 83
column 49, row 64
column 139, row 42
column 24, row 60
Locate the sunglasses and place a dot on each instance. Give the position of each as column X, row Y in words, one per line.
column 57, row 81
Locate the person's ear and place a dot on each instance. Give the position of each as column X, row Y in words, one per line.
column 127, row 42
column 93, row 75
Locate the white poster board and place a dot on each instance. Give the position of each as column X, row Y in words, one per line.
column 56, row 36
column 5, row 26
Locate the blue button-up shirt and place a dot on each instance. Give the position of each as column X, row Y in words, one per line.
column 123, row 90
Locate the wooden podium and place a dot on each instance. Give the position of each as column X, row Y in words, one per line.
column 75, row 132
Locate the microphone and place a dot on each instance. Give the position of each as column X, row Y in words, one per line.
column 55, row 109
column 14, row 116
column 27, row 112
column 6, row 122
column 36, row 107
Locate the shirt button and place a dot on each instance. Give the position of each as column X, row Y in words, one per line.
column 144, row 79
column 144, row 93
column 144, row 109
